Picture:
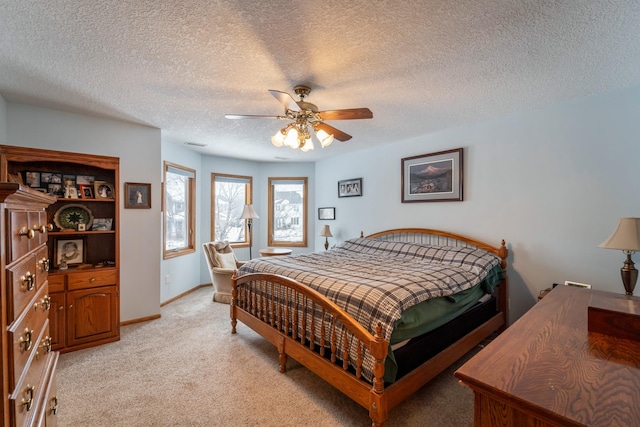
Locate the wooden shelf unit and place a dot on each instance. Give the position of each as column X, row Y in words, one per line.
column 85, row 300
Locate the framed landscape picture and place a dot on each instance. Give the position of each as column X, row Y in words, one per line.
column 435, row 177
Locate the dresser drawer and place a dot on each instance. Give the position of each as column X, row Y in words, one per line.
column 18, row 232
column 26, row 403
column 22, row 283
column 24, row 337
column 56, row 283
column 91, row 279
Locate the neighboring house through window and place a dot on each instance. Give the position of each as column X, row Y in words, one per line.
column 287, row 212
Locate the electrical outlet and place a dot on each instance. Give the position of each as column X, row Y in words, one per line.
column 167, row 279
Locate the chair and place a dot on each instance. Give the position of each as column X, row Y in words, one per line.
column 222, row 263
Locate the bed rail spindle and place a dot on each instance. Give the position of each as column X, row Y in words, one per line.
column 261, row 288
column 345, row 352
column 334, row 339
column 359, row 361
column 303, row 322
column 294, row 322
column 312, row 330
column 280, row 326
column 323, row 331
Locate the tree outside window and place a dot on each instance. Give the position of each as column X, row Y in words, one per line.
column 229, row 194
column 179, row 210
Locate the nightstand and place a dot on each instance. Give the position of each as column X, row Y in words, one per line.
column 275, row 251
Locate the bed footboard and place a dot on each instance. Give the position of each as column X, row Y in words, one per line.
column 316, row 332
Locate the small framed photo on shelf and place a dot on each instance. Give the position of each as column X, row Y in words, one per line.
column 350, row 187
column 32, row 179
column 103, row 190
column 85, row 179
column 102, row 224
column 327, row 213
column 137, row 195
column 55, row 190
column 68, row 252
column 86, row 191
column 50, row 178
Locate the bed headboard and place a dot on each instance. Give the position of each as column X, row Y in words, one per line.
column 428, row 236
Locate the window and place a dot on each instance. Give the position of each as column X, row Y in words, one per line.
column 179, row 210
column 229, row 194
column 287, row 212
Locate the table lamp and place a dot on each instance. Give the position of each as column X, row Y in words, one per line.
column 626, row 237
column 249, row 214
column 326, row 233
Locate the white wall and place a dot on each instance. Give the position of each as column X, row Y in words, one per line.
column 182, row 273
column 552, row 183
column 3, row 121
column 138, row 148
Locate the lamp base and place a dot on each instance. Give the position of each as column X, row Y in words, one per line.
column 326, row 243
column 629, row 275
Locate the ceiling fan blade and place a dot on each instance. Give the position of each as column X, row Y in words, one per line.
column 337, row 134
column 245, row 116
column 348, row 114
column 285, row 99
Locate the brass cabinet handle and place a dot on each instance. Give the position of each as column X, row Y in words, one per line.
column 60, row 308
column 93, row 279
column 45, row 302
column 28, row 280
column 29, row 392
column 46, row 344
column 46, row 264
column 29, row 233
column 26, row 340
column 54, row 405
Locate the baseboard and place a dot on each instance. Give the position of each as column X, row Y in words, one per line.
column 157, row 316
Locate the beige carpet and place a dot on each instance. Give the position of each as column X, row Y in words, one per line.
column 186, row 369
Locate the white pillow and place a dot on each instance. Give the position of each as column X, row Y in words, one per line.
column 227, row 260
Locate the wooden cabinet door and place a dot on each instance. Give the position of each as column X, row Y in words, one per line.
column 57, row 323
column 92, row 314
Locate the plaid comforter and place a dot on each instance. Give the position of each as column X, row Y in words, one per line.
column 376, row 280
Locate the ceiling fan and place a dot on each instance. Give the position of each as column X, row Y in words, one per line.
column 305, row 115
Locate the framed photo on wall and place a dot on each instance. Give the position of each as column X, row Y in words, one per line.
column 137, row 195
column 350, row 187
column 326, row 213
column 435, row 177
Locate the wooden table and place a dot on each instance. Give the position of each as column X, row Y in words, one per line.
column 548, row 370
column 275, row 251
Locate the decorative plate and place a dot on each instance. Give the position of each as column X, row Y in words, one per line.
column 68, row 217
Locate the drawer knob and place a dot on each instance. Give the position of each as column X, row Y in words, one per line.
column 44, row 228
column 28, row 281
column 29, row 233
column 29, row 401
column 25, row 341
column 92, row 280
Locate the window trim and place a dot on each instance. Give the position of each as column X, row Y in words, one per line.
column 248, row 200
column 191, row 215
column 305, row 217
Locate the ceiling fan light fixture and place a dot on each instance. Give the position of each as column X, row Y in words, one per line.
column 278, row 138
column 291, row 139
column 325, row 138
column 307, row 146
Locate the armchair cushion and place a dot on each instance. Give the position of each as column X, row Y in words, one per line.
column 226, row 260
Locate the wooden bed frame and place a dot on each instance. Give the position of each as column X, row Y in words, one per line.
column 296, row 335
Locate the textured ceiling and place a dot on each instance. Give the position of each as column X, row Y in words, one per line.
column 419, row 65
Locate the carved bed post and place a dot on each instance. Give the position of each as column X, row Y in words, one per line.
column 234, row 301
column 503, row 291
column 377, row 406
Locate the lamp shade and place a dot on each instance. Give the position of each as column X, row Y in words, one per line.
column 249, row 213
column 625, row 237
column 325, row 232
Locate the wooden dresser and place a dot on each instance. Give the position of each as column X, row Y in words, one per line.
column 547, row 369
column 28, row 364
